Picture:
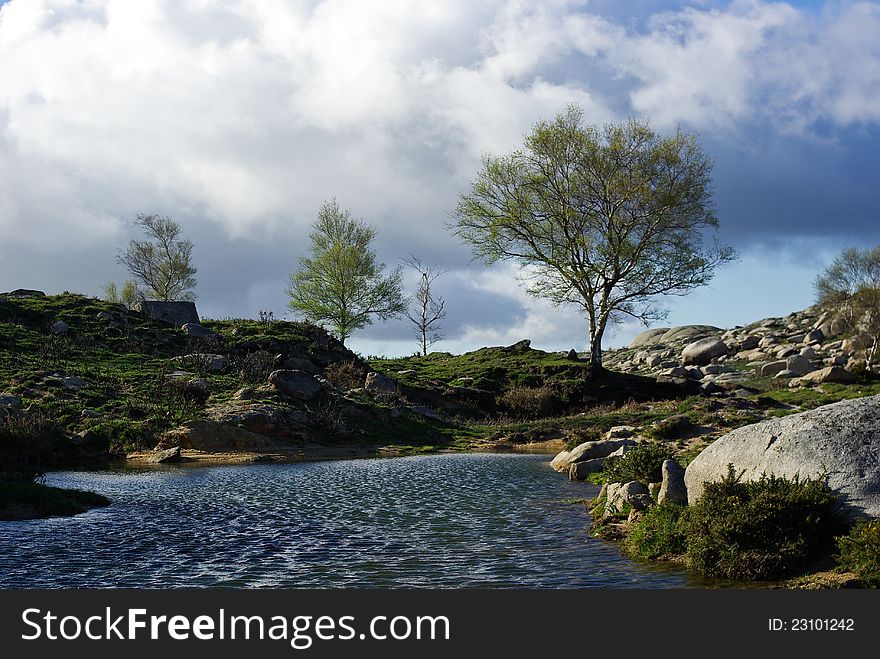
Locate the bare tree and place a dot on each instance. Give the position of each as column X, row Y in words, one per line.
column 428, row 310
column 163, row 262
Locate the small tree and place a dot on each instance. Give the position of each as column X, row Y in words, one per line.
column 128, row 296
column 427, row 309
column 850, row 289
column 605, row 220
column 340, row 284
column 163, row 262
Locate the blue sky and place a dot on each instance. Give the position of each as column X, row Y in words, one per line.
column 239, row 118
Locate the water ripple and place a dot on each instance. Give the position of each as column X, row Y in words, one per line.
column 443, row 521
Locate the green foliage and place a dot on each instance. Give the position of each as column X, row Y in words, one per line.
column 341, row 284
column 764, row 529
column 641, row 463
column 606, row 219
column 657, row 532
column 850, row 288
column 26, row 445
column 671, row 427
column 860, row 551
column 128, row 296
column 163, row 262
column 529, row 402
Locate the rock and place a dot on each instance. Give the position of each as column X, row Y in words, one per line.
column 648, row 337
column 8, row 400
column 518, row 347
column 196, row 330
column 827, row 374
column 633, row 493
column 424, row 411
column 841, row 440
column 773, row 368
column 406, row 371
column 704, row 351
column 23, row 292
column 814, row 336
column 713, row 369
column 749, row 342
column 89, row 413
column 672, row 489
column 799, row 365
column 296, row 384
column 562, row 461
column 300, row 364
column 599, row 449
column 578, row 471
column 784, row 374
column 573, row 355
column 59, row 327
column 209, row 435
column 653, row 361
column 175, row 313
column 73, row 383
column 377, row 383
column 103, row 315
column 620, row 432
column 688, row 333
column 809, row 353
column 166, row 456
column 768, row 341
column 198, row 385
column 209, row 362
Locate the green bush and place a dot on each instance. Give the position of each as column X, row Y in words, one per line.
column 860, row 551
column 657, row 532
column 641, row 463
column 671, row 427
column 26, row 445
column 764, row 529
column 529, row 402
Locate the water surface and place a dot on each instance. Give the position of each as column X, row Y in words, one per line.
column 474, row 520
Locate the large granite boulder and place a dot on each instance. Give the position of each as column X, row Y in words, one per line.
column 700, row 353
column 840, row 441
column 648, row 337
column 175, row 313
column 599, row 449
column 688, row 333
column 295, row 384
column 672, row 489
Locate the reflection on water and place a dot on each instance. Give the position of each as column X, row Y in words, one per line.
column 477, row 520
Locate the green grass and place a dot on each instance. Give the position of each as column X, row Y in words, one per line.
column 24, row 500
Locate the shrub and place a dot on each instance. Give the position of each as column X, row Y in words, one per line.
column 176, row 399
column 764, row 529
column 346, row 375
column 860, row 551
column 671, row 427
column 26, row 445
column 582, row 435
column 641, row 463
column 529, row 402
column 254, row 367
column 657, row 532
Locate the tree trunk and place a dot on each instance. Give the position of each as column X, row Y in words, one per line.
column 596, row 346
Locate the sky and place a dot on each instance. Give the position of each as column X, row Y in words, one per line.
column 239, row 118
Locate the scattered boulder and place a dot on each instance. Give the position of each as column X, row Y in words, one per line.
column 166, row 456
column 704, row 351
column 799, row 365
column 598, row 449
column 74, row 383
column 672, row 489
column 295, row 384
column 518, row 347
column 688, row 333
column 620, row 432
column 196, row 330
column 578, row 471
column 827, row 374
column 23, row 292
column 300, row 364
column 562, row 461
column 377, row 383
column 840, row 441
column 814, row 336
column 178, row 313
column 633, row 493
column 213, row 363
column 773, row 368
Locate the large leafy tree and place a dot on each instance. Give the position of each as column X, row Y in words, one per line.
column 605, row 219
column 162, row 263
column 340, row 284
column 850, row 289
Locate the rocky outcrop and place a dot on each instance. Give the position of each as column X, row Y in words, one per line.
column 673, row 488
column 207, row 435
column 702, row 352
column 173, row 313
column 167, row 456
column 619, row 495
column 840, row 441
column 295, row 384
column 376, row 383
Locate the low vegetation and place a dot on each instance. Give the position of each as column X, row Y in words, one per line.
column 860, row 551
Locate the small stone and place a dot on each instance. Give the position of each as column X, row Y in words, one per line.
column 59, row 328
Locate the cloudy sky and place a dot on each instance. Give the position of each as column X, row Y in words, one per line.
column 240, row 117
